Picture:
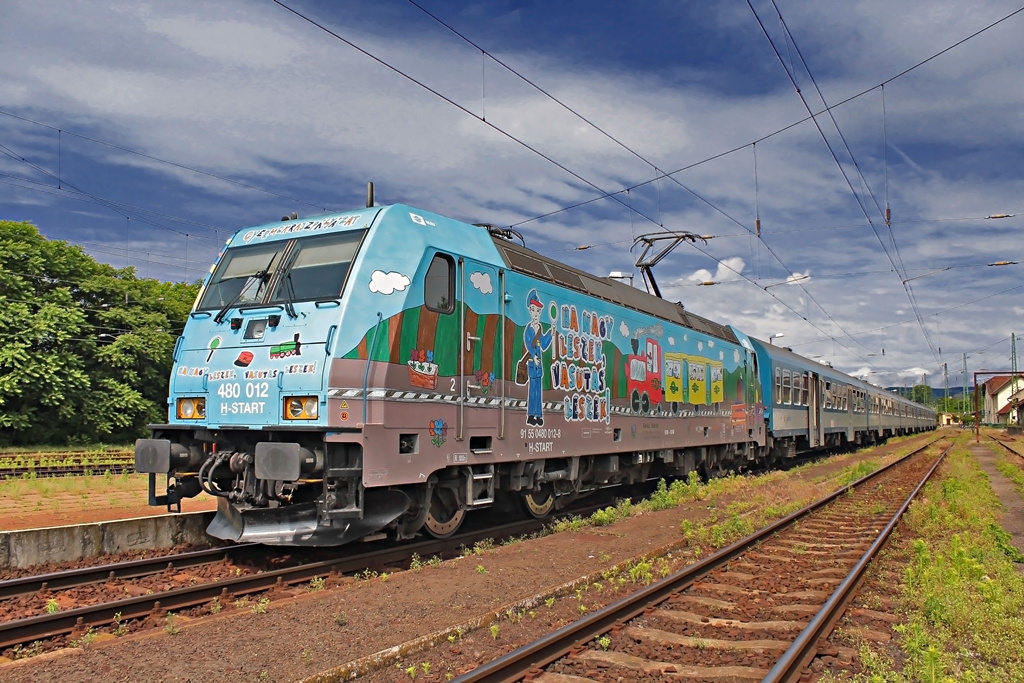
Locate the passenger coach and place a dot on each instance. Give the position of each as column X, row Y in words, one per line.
column 810, row 406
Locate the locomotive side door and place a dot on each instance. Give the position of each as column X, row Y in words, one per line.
column 483, row 358
column 814, row 411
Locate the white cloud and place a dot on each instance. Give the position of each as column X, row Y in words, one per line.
column 728, row 269
column 251, row 92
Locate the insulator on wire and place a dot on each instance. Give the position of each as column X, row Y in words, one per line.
column 757, row 226
column 888, row 216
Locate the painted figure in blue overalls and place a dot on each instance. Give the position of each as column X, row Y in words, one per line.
column 536, row 341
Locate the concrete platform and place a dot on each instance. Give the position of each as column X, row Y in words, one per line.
column 29, row 547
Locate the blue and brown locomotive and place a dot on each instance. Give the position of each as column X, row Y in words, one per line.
column 387, row 370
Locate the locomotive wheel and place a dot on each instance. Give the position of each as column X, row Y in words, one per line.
column 645, row 404
column 634, row 401
column 539, row 504
column 445, row 515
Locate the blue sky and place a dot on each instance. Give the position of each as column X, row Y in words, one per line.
column 149, row 132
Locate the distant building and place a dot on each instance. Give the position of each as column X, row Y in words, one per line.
column 1003, row 400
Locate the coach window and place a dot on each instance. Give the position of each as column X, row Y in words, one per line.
column 805, row 383
column 778, row 386
column 786, row 388
column 439, row 284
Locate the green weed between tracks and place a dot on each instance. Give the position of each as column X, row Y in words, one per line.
column 962, row 594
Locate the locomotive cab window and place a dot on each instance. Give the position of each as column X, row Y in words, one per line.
column 439, row 284
column 317, row 268
column 242, row 275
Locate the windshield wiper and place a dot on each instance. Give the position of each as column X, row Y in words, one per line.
column 289, row 297
column 261, row 275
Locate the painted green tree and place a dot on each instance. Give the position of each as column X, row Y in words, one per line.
column 86, row 352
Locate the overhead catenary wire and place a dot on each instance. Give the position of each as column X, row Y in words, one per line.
column 117, row 207
column 603, row 193
column 896, row 261
column 144, row 155
column 659, row 174
column 481, row 79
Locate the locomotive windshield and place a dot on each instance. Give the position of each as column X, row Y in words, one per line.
column 242, row 276
column 317, row 267
column 294, row 270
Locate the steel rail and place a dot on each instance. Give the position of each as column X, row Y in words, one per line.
column 27, row 585
column 518, row 663
column 1007, row 447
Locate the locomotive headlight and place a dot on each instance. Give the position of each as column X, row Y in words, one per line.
column 301, row 408
column 191, row 408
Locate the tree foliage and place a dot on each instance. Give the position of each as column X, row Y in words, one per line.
column 86, row 352
column 921, row 393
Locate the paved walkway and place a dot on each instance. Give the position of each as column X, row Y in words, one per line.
column 1012, row 519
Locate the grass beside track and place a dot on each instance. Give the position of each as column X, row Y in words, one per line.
column 962, row 592
column 54, row 494
column 95, row 459
column 63, row 499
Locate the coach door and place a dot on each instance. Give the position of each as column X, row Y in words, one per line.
column 482, row 354
column 814, row 411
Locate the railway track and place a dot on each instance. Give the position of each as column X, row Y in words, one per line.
column 350, row 560
column 1006, row 444
column 755, row 610
column 133, row 569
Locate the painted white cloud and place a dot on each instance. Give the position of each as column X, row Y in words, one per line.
column 387, row 283
column 481, row 281
column 624, row 329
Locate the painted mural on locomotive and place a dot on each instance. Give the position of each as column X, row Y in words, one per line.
column 562, row 347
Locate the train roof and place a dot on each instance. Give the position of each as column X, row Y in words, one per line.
column 796, row 360
column 529, row 262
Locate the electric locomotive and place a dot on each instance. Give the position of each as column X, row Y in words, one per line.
column 386, row 370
